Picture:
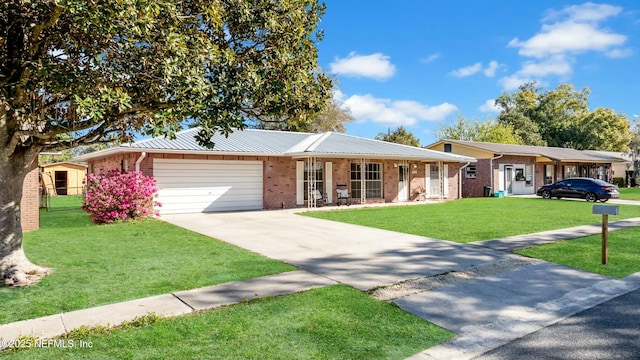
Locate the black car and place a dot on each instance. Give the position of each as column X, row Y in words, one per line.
column 589, row 189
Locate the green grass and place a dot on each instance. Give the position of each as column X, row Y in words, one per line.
column 630, row 193
column 101, row 264
column 476, row 219
column 64, row 202
column 586, row 253
column 336, row 322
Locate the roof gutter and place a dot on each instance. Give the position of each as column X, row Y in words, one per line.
column 491, row 169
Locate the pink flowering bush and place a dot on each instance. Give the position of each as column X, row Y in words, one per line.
column 115, row 195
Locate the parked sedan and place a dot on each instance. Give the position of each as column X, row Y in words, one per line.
column 584, row 188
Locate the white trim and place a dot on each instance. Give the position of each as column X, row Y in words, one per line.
column 328, row 182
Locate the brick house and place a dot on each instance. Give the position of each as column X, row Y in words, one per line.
column 522, row 169
column 262, row 169
column 30, row 203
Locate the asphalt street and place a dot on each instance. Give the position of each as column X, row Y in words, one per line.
column 610, row 330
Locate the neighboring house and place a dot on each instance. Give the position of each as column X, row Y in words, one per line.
column 63, row 178
column 263, row 169
column 522, row 169
column 30, row 204
column 622, row 167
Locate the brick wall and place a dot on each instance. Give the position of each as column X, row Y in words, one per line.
column 279, row 175
column 30, row 203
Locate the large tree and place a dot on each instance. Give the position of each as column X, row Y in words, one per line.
column 78, row 72
column 399, row 136
column 487, row 131
column 561, row 118
column 334, row 117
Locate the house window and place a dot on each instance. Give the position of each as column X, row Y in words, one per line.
column 314, row 176
column 447, row 148
column 570, row 171
column 470, row 172
column 372, row 175
column 528, row 175
column 548, row 174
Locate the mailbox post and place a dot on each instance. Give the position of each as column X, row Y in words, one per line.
column 605, row 211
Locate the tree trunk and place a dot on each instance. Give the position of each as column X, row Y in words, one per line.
column 15, row 268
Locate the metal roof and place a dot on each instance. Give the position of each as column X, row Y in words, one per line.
column 553, row 153
column 282, row 143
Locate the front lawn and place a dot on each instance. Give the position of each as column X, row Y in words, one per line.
column 476, row 219
column 101, row 264
column 629, row 193
column 336, row 322
column 586, row 253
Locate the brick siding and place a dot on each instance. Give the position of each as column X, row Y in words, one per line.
column 279, row 175
column 30, row 203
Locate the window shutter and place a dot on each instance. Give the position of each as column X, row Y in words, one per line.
column 427, row 180
column 445, row 176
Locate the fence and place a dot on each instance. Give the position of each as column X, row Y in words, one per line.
column 53, row 199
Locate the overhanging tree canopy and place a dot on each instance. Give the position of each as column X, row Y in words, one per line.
column 78, row 72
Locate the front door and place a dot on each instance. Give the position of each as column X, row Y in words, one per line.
column 61, row 182
column 508, row 179
column 403, row 183
column 434, row 181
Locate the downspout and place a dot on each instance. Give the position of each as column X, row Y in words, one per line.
column 139, row 161
column 491, row 170
column 460, row 179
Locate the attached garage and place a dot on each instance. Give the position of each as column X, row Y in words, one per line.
column 190, row 185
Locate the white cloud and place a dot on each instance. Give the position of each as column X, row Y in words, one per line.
column 587, row 12
column 395, row 112
column 467, row 71
column 514, row 81
column 430, row 58
column 557, row 65
column 565, row 34
column 490, row 71
column 490, row 106
column 376, row 66
column 568, row 37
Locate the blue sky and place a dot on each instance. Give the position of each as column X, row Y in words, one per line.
column 419, row 63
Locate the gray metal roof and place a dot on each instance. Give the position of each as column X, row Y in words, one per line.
column 553, row 153
column 282, row 143
column 246, row 141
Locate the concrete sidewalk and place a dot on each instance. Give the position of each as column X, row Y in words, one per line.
column 167, row 305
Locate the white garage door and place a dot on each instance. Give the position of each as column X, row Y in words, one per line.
column 189, row 186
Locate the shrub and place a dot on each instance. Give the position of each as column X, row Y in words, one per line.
column 115, row 195
column 618, row 181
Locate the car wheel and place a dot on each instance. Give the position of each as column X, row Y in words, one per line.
column 546, row 194
column 591, row 197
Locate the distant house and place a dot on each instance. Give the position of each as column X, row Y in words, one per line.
column 63, row 178
column 522, row 169
column 262, row 169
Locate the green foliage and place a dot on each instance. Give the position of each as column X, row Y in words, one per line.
column 488, row 131
column 76, row 72
column 561, row 118
column 334, row 322
column 399, row 136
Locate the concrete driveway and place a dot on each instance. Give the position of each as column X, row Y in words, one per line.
column 359, row 256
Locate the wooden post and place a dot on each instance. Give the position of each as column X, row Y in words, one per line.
column 605, row 239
